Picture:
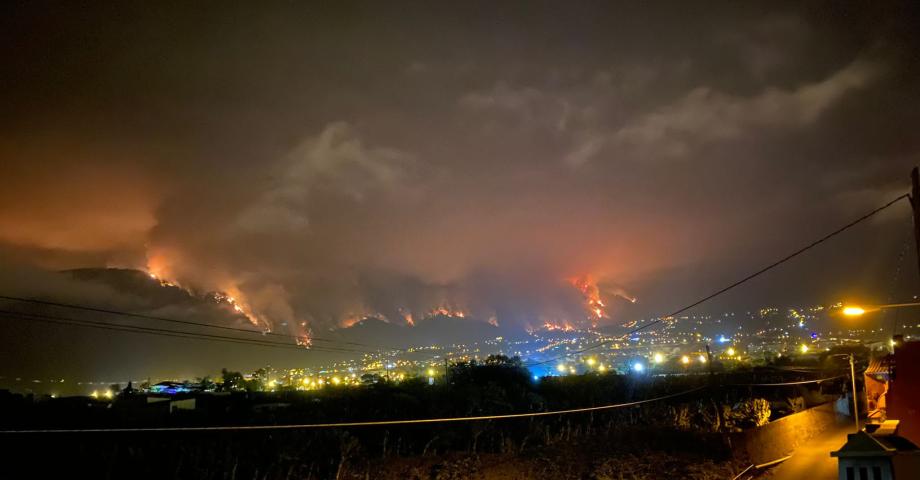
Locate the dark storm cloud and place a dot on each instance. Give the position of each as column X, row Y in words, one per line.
column 327, row 163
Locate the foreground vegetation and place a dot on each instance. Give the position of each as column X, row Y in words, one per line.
column 650, row 440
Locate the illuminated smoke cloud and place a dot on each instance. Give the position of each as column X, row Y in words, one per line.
column 473, row 186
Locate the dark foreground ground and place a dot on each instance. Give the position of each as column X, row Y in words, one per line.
column 684, row 434
column 570, row 454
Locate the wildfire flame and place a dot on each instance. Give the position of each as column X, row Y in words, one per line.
column 231, row 296
column 447, row 312
column 240, row 307
column 164, row 282
column 564, row 327
column 349, row 322
column 594, row 305
column 407, row 316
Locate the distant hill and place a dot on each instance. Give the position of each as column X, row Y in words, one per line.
column 437, row 329
column 149, row 294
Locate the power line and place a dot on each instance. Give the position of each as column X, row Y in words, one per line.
column 177, row 321
column 737, row 283
column 784, row 383
column 167, row 332
column 408, row 421
column 367, row 424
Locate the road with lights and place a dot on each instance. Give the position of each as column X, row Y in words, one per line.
column 812, row 460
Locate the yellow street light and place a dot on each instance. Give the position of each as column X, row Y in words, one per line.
column 730, row 352
column 658, row 358
column 430, row 372
column 856, row 310
column 853, row 311
column 560, row 368
column 804, row 348
column 591, row 361
column 685, row 360
column 601, row 368
column 702, row 358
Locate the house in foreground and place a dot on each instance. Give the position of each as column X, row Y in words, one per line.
column 878, row 453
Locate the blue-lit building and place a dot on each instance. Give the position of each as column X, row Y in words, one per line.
column 171, row 388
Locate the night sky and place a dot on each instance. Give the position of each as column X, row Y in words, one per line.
column 325, row 163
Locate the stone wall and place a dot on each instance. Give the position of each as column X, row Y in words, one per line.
column 779, row 438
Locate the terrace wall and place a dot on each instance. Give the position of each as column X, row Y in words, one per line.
column 780, row 437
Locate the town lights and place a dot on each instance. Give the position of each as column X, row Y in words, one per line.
column 804, row 348
column 730, row 352
column 430, row 372
column 95, row 394
column 560, row 368
column 108, row 394
column 685, row 360
column 591, row 361
column 658, row 358
column 702, row 358
column 601, row 368
column 638, row 367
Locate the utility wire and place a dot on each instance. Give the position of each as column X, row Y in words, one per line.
column 366, row 424
column 202, row 336
column 407, row 421
column 167, row 332
column 737, row 283
column 177, row 321
column 784, row 383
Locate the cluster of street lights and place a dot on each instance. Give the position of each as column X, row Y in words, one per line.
column 591, row 362
column 637, row 366
column 107, row 394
